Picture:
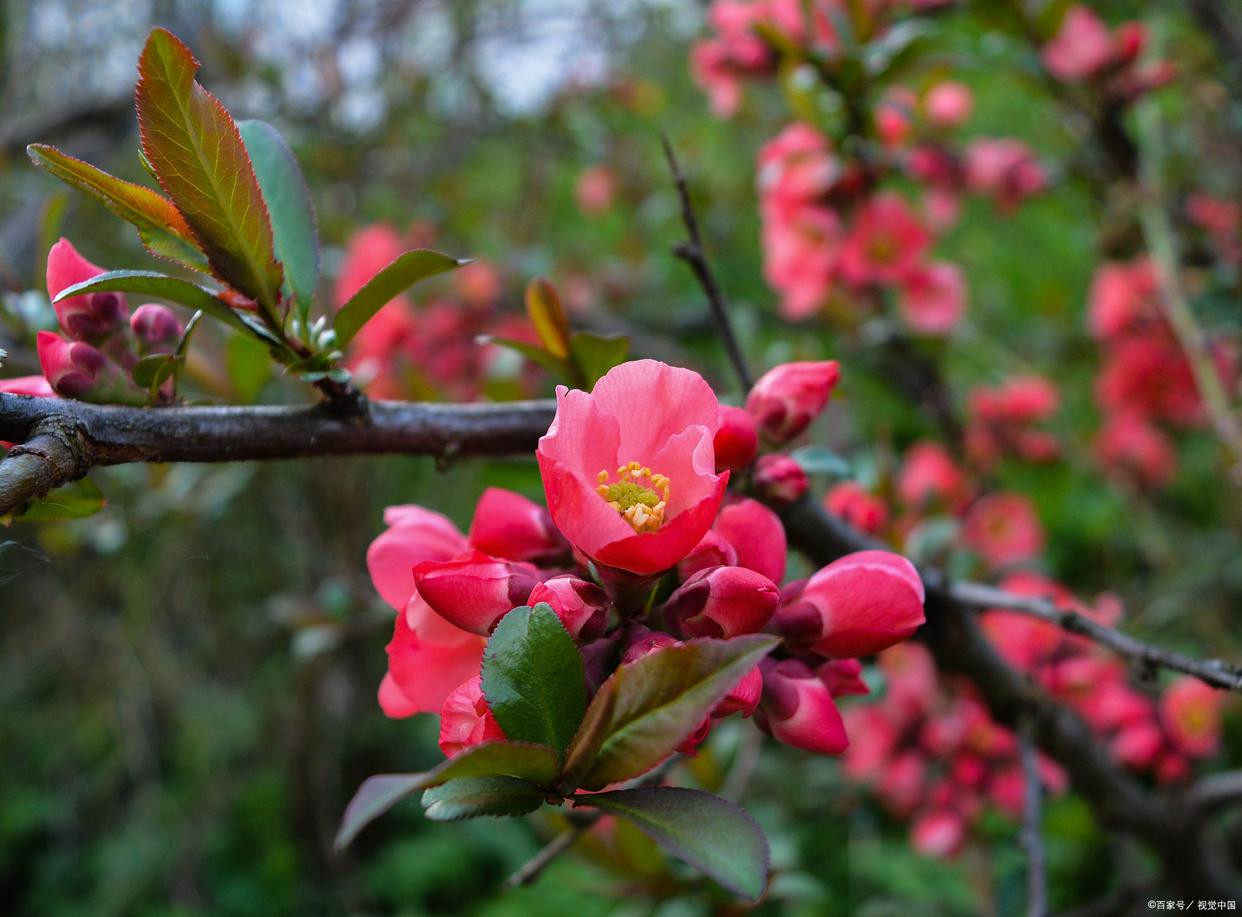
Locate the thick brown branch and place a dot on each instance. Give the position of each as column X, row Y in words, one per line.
column 1215, row 672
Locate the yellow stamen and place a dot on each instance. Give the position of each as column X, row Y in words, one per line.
column 638, row 495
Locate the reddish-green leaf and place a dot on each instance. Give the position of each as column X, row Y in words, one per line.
column 543, row 305
column 660, row 699
column 405, row 271
column 160, row 225
column 151, row 283
column 713, row 835
column 194, row 146
column 536, row 763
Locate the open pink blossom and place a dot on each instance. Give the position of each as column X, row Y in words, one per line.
column 1083, row 46
column 930, row 475
column 1004, row 528
column 508, row 525
column 1190, row 711
column 856, row 507
column 933, row 298
column 629, row 469
column 886, row 242
column 948, row 104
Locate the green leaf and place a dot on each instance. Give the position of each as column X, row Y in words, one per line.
column 660, row 699
column 76, row 500
column 249, row 366
column 161, row 227
column 821, row 460
column 595, row 354
column 194, row 146
column 471, row 797
column 713, row 835
column 543, row 305
column 151, row 283
column 288, row 202
column 560, row 369
column 533, row 678
column 536, row 763
column 394, row 279
column 151, row 371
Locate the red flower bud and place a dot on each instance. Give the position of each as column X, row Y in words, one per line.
column 474, row 591
column 156, row 328
column 855, row 606
column 756, row 535
column 712, row 551
column 70, row 367
column 787, row 398
column 581, row 606
column 842, row 677
column 722, row 602
column 779, row 479
column 737, row 439
column 466, row 720
column 508, row 525
column 798, row 709
column 91, row 317
column 744, row 697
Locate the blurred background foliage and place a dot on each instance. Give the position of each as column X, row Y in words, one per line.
column 187, row 694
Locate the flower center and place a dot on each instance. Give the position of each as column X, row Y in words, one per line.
column 638, row 495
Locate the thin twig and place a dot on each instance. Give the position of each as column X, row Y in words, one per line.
column 691, row 252
column 1215, row 672
column 1032, row 832
column 531, row 869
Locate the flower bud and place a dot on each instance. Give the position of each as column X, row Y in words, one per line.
column 155, row 327
column 646, row 641
column 581, row 606
column 474, row 591
column 466, row 720
column 70, row 367
column 938, row 833
column 722, row 602
column 743, row 698
column 798, row 709
column 509, row 526
column 855, row 606
column 857, row 508
column 737, row 439
column 948, row 104
column 779, row 479
column 842, row 677
column 756, row 535
column 90, row 317
column 713, row 550
column 787, row 398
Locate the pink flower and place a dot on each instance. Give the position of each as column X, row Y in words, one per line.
column 933, row 298
column 427, row 659
column 722, row 602
column 595, row 190
column 413, row 535
column 842, row 677
column 473, row 591
column 744, row 697
column 858, row 508
column 581, row 606
column 801, row 254
column 509, row 526
column 466, row 720
column 1005, row 169
column 756, row 535
column 855, row 606
column 736, row 441
column 938, row 833
column 91, row 317
column 1083, row 46
column 1190, row 710
column 1004, row 529
column 1122, row 296
column 885, row 244
column 155, row 327
column 779, row 479
column 478, row 283
column 370, row 250
column 929, row 474
column 72, row 368
column 34, row 386
column 1020, row 400
column 629, row 469
column 788, row 397
column 798, row 709
column 948, row 104
column 1130, row 446
column 796, row 166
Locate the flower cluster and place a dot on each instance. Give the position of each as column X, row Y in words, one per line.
column 933, row 756
column 101, row 342
column 1004, row 420
column 1145, row 383
column 1084, row 49
column 642, row 546
column 431, row 348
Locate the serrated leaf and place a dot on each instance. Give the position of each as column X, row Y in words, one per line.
column 543, row 305
column 151, row 283
column 536, row 763
column 660, row 699
column 470, row 797
column 595, row 354
column 194, row 146
column 400, row 275
column 713, row 835
column 161, row 227
column 75, row 500
column 534, row 679
column 294, row 231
